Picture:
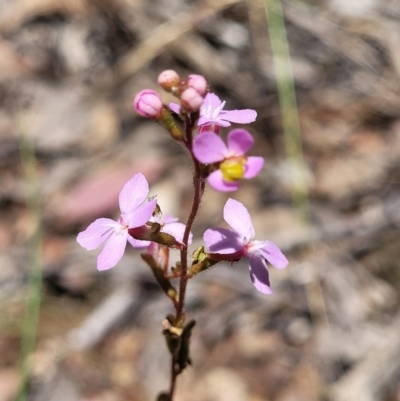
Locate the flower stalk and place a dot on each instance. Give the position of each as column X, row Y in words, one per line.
column 143, row 225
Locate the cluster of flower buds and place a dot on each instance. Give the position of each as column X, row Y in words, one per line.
column 190, row 91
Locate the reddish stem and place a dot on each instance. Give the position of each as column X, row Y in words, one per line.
column 198, row 185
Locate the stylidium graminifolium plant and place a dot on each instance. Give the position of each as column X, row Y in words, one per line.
column 195, row 123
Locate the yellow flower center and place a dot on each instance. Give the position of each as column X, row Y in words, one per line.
column 233, row 169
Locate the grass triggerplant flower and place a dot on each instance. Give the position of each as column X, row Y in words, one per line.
column 213, row 115
column 231, row 245
column 135, row 212
column 233, row 165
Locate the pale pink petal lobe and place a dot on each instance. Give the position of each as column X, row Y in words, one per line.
column 239, row 116
column 96, row 233
column 142, row 214
column 138, row 244
column 273, row 255
column 133, row 193
column 211, row 101
column 112, row 251
column 177, row 230
column 222, row 240
column 239, row 141
column 259, row 275
column 215, row 179
column 253, row 166
column 204, row 120
column 209, row 148
column 238, row 217
column 175, row 108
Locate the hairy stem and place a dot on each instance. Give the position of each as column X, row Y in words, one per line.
column 198, row 185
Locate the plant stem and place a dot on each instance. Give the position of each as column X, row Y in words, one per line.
column 33, row 299
column 197, row 194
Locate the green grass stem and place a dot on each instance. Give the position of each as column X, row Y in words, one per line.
column 34, row 285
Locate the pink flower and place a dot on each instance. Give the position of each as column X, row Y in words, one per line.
column 213, row 115
column 148, row 103
column 135, row 212
column 231, row 245
column 234, row 164
column 169, row 225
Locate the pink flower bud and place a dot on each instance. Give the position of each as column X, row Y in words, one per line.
column 191, row 99
column 199, row 83
column 168, row 79
column 148, row 103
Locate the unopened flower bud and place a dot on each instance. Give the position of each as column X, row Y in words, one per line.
column 199, row 83
column 148, row 103
column 191, row 99
column 168, row 80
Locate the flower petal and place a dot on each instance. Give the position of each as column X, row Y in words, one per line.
column 222, row 240
column 245, row 116
column 259, row 275
column 177, row 230
column 96, row 233
column 112, row 251
column 210, row 103
column 175, row 107
column 142, row 214
column 215, row 179
column 209, row 148
column 204, row 120
column 238, row 217
column 133, row 194
column 273, row 254
column 239, row 141
column 138, row 244
column 253, row 166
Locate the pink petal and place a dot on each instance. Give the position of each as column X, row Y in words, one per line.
column 112, row 251
column 237, row 216
column 137, row 244
column 239, row 141
column 211, row 101
column 253, row 166
column 209, row 148
column 273, row 255
column 133, row 194
column 204, row 120
column 142, row 214
column 96, row 233
column 259, row 275
column 245, row 116
column 175, row 108
column 222, row 240
column 215, row 179
column 176, row 230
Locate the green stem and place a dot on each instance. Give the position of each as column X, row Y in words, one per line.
column 33, row 300
column 288, row 104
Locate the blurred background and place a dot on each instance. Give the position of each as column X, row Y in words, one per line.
column 329, row 196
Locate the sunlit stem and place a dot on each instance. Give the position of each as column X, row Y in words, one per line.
column 288, row 105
